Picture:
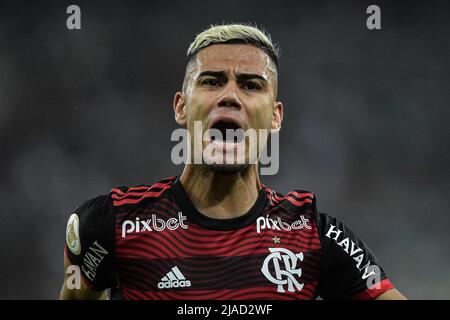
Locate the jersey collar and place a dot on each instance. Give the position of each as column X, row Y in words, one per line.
column 185, row 204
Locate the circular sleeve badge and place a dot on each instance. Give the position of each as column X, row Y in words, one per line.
column 73, row 234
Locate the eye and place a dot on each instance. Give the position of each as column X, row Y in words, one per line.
column 250, row 85
column 210, row 82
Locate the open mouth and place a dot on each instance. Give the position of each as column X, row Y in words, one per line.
column 226, row 131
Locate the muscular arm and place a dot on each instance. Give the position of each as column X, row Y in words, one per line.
column 83, row 293
column 392, row 294
column 349, row 265
column 89, row 250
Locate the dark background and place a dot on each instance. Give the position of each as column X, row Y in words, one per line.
column 366, row 121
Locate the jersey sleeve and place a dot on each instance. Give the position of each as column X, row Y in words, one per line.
column 349, row 269
column 90, row 242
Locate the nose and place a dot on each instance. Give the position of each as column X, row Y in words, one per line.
column 229, row 97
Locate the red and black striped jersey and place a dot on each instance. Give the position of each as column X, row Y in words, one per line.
column 150, row 242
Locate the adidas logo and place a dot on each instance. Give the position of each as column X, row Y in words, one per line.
column 174, row 279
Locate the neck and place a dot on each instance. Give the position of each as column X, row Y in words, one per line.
column 221, row 196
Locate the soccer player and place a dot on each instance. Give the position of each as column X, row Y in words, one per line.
column 215, row 231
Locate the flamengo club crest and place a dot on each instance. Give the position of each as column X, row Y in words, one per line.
column 280, row 268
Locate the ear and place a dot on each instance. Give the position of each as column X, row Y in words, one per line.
column 277, row 117
column 179, row 107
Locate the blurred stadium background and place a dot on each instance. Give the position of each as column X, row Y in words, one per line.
column 366, row 121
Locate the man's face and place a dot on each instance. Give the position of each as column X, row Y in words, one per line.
column 230, row 87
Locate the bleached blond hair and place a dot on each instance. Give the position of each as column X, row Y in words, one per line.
column 233, row 34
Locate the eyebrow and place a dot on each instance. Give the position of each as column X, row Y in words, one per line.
column 240, row 76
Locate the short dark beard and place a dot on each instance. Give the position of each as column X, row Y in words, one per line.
column 227, row 169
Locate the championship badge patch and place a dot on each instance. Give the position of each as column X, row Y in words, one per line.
column 73, row 235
